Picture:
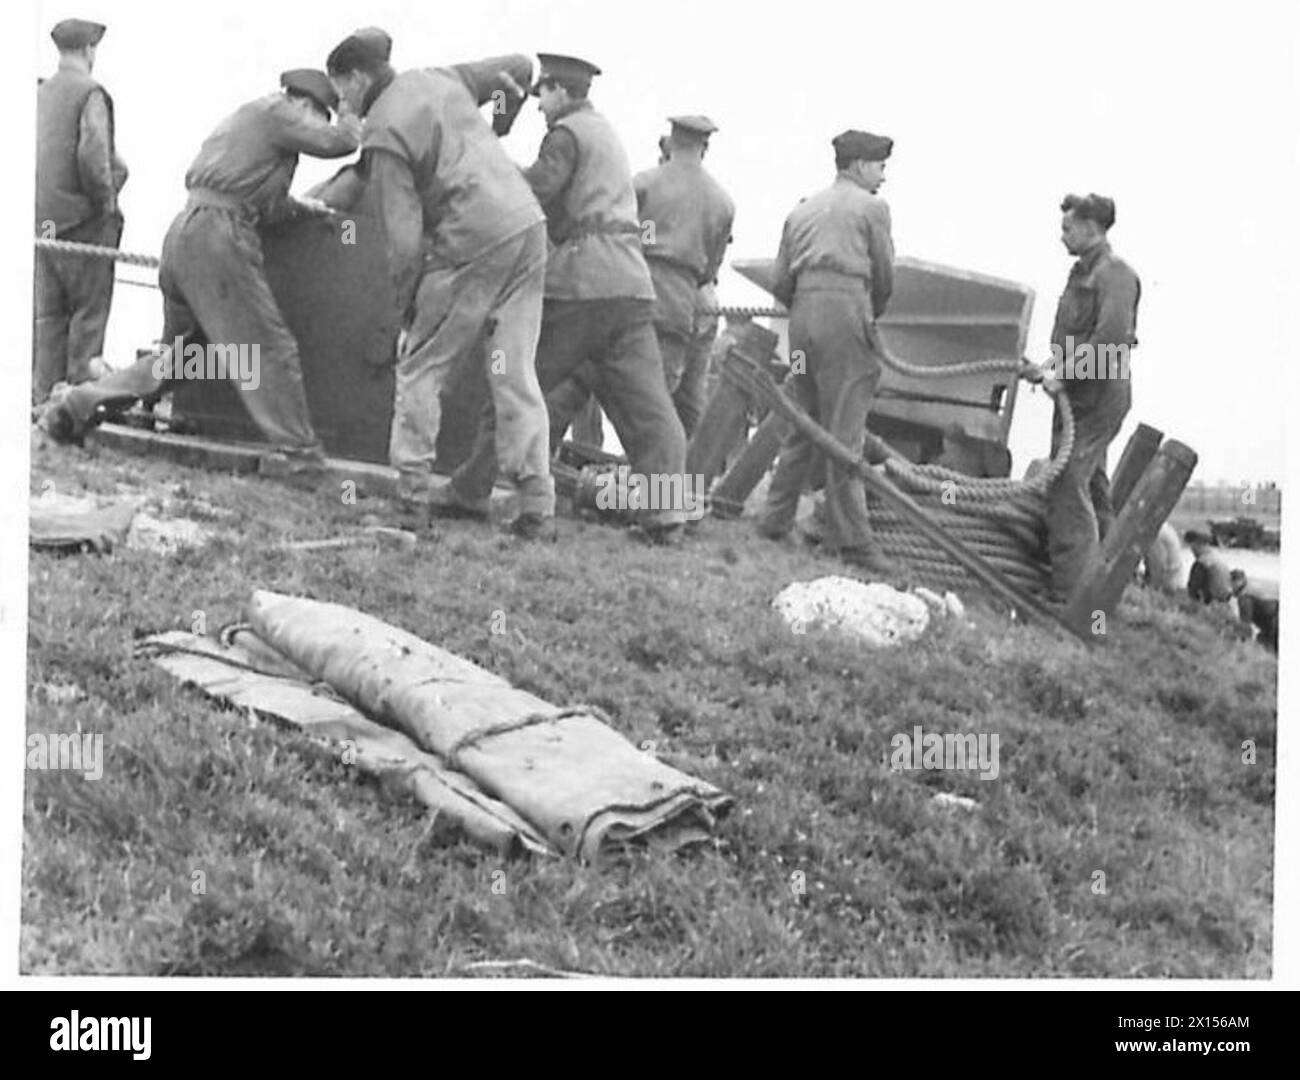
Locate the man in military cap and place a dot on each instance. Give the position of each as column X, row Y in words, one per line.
column 599, row 305
column 835, row 271
column 467, row 253
column 211, row 273
column 686, row 221
column 78, row 178
column 691, row 393
column 1096, row 318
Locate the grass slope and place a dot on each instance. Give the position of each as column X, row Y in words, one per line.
column 218, row 846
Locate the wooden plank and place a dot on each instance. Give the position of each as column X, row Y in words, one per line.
column 728, row 498
column 191, row 450
column 1141, row 448
column 724, row 421
column 197, row 452
column 1155, row 495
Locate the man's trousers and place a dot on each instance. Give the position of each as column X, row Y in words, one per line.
column 1079, row 508
column 214, row 289
column 616, row 337
column 489, row 308
column 831, row 331
column 72, row 300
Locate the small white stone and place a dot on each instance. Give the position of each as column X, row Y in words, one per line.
column 956, row 802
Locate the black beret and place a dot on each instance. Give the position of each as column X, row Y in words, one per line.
column 365, row 51
column 1092, row 207
column 77, row 33
column 861, row 146
column 315, row 84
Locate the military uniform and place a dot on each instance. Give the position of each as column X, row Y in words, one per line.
column 1097, row 308
column 78, row 178
column 686, row 221
column 211, row 273
column 835, row 272
column 467, row 246
column 598, row 302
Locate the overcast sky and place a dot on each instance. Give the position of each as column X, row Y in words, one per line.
column 1185, row 115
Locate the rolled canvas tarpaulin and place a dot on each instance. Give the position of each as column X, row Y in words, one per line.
column 514, row 772
column 249, row 675
column 582, row 785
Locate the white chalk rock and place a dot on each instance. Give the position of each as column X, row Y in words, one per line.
column 954, row 605
column 877, row 614
column 955, row 802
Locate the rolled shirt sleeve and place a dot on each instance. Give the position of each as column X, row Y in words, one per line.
column 95, row 157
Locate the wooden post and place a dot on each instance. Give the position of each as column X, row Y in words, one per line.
column 1156, row 494
column 1141, row 448
column 728, row 499
column 723, row 422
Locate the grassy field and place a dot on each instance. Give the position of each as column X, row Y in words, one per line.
column 1124, row 835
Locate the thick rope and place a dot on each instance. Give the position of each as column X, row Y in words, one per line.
column 95, row 251
column 745, row 312
column 936, row 479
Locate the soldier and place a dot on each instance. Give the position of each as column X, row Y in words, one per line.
column 686, row 221
column 1096, row 319
column 599, row 304
column 467, row 252
column 211, row 275
column 1257, row 607
column 78, row 178
column 1210, row 581
column 835, row 271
